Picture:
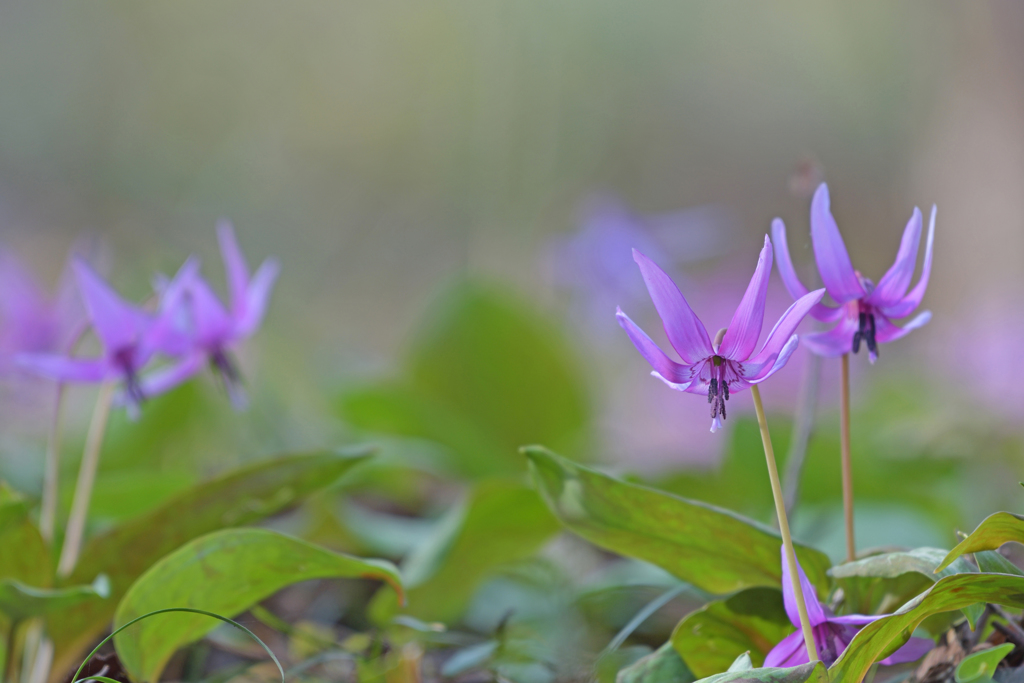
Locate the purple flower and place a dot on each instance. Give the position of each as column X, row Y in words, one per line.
column 832, row 634
column 865, row 311
column 129, row 337
column 213, row 329
column 32, row 320
column 728, row 364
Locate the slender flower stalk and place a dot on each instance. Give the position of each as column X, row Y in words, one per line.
column 787, row 539
column 844, row 448
column 86, row 478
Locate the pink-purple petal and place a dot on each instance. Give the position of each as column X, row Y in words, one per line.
column 776, row 363
column 835, row 342
column 234, row 265
column 790, row 279
column 116, row 322
column 914, row 649
column 685, row 331
column 911, row 301
column 790, row 651
column 741, row 336
column 815, row 612
column 830, row 252
column 887, row 331
column 667, row 369
column 168, row 377
column 896, row 280
column 65, row 369
column 787, row 324
column 257, row 297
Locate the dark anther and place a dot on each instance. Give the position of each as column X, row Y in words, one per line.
column 725, row 392
column 712, row 389
column 866, row 333
column 870, row 335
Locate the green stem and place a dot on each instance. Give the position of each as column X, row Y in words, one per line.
column 787, row 540
column 86, row 479
column 844, row 451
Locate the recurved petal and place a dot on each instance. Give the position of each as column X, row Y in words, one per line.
column 830, row 252
column 887, row 331
column 790, row 651
column 740, row 338
column 911, row 652
column 911, row 301
column 815, row 613
column 787, row 324
column 168, row 377
column 213, row 323
column 834, row 342
column 257, row 297
column 685, row 331
column 792, row 281
column 116, row 322
column 234, row 264
column 64, row 369
column 668, row 370
column 896, row 280
column 671, row 385
column 772, row 364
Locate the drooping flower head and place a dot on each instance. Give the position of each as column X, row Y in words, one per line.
column 728, row 363
column 832, row 634
column 214, row 329
column 865, row 311
column 129, row 337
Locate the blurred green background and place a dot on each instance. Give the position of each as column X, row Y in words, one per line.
column 415, row 165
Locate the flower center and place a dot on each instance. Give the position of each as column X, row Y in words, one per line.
column 865, row 331
column 718, row 388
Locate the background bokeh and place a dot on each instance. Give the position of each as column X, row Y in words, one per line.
column 386, row 152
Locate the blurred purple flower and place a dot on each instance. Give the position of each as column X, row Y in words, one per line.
column 594, row 264
column 865, row 311
column 129, row 336
column 32, row 320
column 832, row 634
column 213, row 330
column 728, row 364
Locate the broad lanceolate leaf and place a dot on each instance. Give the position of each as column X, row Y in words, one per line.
column 499, row 522
column 711, row 548
column 805, row 673
column 882, row 583
column 24, row 556
column 710, row 639
column 484, row 376
column 225, row 572
column 661, row 666
column 981, row 665
column 19, row 601
column 880, row 638
column 993, row 531
column 240, row 497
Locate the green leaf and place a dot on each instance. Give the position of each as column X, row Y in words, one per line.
column 741, row 663
column 991, row 562
column 225, row 572
column 236, row 498
column 485, row 375
column 811, row 672
column 30, row 562
column 880, row 638
column 993, row 531
column 497, row 523
column 713, row 549
column 981, row 665
column 712, row 638
column 881, row 583
column 19, row 601
column 661, row 666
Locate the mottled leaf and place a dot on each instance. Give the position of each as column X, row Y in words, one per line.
column 225, row 572
column 993, row 531
column 812, row 673
column 661, row 666
column 880, row 638
column 20, row 601
column 752, row 621
column 981, row 665
column 713, row 549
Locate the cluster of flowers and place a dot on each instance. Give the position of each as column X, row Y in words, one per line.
column 185, row 325
column 728, row 364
